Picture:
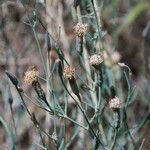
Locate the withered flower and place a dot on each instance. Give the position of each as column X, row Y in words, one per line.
column 115, row 103
column 69, row 73
column 31, row 75
column 96, row 60
column 80, row 29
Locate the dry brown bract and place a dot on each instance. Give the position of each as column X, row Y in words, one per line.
column 115, row 103
column 69, row 72
column 96, row 60
column 80, row 29
column 31, row 75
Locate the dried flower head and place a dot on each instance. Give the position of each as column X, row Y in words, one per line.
column 96, row 60
column 80, row 29
column 115, row 103
column 31, row 75
column 69, row 72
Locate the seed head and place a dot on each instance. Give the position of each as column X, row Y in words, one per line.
column 80, row 29
column 31, row 75
column 96, row 60
column 69, row 72
column 115, row 103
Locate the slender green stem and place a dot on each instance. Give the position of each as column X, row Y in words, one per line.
column 36, row 125
column 15, row 129
column 115, row 139
column 75, row 122
column 14, row 124
column 24, row 104
column 58, row 114
column 39, row 49
column 130, row 135
column 94, row 134
column 42, row 140
column 97, row 24
column 116, row 119
column 49, row 88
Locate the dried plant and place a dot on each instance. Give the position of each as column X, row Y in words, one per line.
column 82, row 108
